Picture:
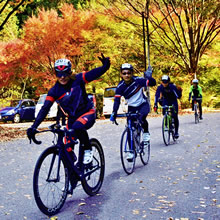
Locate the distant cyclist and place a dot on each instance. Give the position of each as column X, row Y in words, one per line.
column 167, row 94
column 196, row 92
column 131, row 88
column 70, row 94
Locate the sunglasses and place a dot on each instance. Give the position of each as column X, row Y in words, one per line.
column 126, row 73
column 165, row 81
column 60, row 74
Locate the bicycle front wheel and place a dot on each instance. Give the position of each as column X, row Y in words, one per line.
column 50, row 181
column 127, row 163
column 95, row 171
column 165, row 130
column 196, row 114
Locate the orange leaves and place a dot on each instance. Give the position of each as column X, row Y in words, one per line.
column 53, row 35
column 46, row 37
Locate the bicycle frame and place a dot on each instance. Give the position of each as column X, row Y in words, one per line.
column 63, row 153
column 167, row 124
column 168, row 113
column 131, row 117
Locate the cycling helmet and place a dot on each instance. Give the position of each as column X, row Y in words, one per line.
column 62, row 67
column 127, row 66
column 165, row 78
column 195, row 81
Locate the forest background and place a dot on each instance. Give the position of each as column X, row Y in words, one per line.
column 184, row 43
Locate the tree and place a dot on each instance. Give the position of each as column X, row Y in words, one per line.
column 50, row 36
column 186, row 29
column 14, row 6
column 46, row 38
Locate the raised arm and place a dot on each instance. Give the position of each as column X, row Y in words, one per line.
column 97, row 72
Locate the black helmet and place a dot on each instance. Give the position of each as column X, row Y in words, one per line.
column 62, row 67
column 165, row 79
column 127, row 66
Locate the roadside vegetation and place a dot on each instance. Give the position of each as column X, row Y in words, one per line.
column 184, row 43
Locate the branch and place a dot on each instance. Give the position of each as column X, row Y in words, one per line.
column 10, row 14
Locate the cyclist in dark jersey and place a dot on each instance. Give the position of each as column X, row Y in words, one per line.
column 196, row 92
column 167, row 94
column 131, row 87
column 70, row 94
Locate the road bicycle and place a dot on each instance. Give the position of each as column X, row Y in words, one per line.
column 168, row 125
column 132, row 142
column 57, row 171
column 196, row 111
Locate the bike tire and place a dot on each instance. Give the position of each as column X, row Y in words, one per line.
column 196, row 114
column 50, row 194
column 172, row 131
column 144, row 149
column 128, row 166
column 95, row 171
column 166, row 130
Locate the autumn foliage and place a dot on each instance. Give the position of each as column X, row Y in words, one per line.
column 47, row 37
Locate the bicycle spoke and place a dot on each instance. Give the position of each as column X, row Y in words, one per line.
column 50, row 193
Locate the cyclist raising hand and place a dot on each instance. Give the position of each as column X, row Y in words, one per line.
column 131, row 87
column 70, row 94
column 167, row 94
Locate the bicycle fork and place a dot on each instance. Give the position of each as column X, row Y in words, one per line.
column 57, row 179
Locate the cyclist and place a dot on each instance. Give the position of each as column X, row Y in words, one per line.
column 70, row 94
column 196, row 92
column 167, row 94
column 131, row 87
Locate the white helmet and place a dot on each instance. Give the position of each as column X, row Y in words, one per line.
column 195, row 81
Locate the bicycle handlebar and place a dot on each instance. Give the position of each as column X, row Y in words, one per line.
column 56, row 129
column 127, row 115
column 166, row 107
column 196, row 99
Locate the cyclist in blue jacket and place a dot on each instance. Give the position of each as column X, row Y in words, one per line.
column 70, row 94
column 131, row 87
column 167, row 94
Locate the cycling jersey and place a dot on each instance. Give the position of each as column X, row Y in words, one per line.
column 196, row 92
column 72, row 97
column 170, row 94
column 133, row 92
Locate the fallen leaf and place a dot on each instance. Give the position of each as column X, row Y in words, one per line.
column 80, row 213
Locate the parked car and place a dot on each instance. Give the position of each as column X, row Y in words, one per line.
column 108, row 102
column 53, row 110
column 18, row 110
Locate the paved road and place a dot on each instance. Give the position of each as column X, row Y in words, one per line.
column 181, row 181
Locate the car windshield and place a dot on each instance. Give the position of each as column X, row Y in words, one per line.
column 14, row 103
column 109, row 92
column 42, row 99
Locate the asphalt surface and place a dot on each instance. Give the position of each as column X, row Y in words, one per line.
column 181, row 181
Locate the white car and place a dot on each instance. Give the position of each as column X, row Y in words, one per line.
column 53, row 110
column 108, row 102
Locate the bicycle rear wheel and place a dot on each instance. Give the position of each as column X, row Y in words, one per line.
column 165, row 130
column 50, row 189
column 95, row 171
column 127, row 164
